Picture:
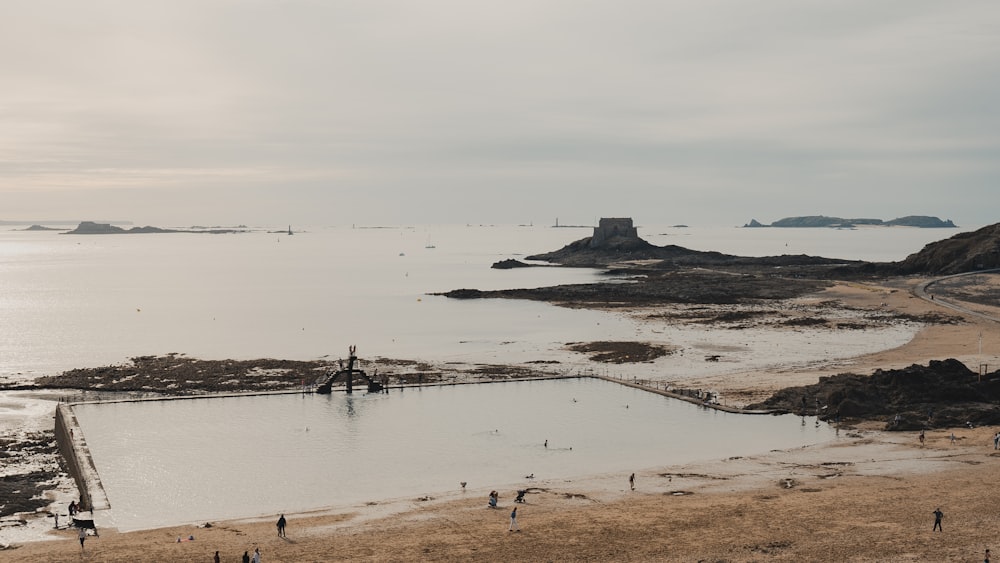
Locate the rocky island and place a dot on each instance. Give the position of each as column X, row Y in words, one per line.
column 818, row 221
column 92, row 228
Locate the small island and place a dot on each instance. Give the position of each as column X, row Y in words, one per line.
column 814, row 221
column 92, row 228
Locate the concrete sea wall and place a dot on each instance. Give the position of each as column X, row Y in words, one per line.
column 73, row 448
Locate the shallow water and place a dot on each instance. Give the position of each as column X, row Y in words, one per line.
column 195, row 460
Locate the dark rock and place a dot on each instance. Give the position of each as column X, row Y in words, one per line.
column 509, row 264
column 941, row 394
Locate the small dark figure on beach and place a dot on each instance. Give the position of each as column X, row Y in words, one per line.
column 216, row 558
column 281, row 526
column 493, row 499
column 513, row 521
column 922, row 437
column 246, row 557
column 631, row 481
column 520, row 495
column 938, row 515
column 987, row 558
column 83, row 537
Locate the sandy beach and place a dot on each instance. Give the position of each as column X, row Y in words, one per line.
column 867, row 497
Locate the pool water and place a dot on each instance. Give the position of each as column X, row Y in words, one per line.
column 195, row 460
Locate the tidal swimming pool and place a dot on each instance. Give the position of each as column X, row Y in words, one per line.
column 196, row 460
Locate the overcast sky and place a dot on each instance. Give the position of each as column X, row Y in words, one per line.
column 325, row 112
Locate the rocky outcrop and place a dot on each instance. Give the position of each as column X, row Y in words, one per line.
column 964, row 252
column 508, row 264
column 617, row 240
column 614, row 240
column 941, row 394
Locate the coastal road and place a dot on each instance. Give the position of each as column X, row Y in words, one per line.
column 921, row 292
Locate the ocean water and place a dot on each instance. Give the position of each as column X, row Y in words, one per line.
column 196, row 460
column 70, row 301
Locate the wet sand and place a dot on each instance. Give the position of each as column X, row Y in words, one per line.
column 867, row 497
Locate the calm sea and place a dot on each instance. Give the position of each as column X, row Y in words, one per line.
column 84, row 301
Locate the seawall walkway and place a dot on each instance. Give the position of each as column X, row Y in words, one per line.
column 684, row 397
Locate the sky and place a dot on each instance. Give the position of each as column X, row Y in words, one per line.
column 327, row 112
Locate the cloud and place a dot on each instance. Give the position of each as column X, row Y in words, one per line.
column 429, row 110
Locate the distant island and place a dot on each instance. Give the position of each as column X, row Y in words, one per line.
column 92, row 228
column 64, row 222
column 814, row 221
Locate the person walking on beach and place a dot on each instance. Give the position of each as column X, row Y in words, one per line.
column 256, row 555
column 922, row 437
column 246, row 557
column 631, row 481
column 938, row 515
column 281, row 526
column 83, row 537
column 216, row 558
column 513, row 521
column 987, row 558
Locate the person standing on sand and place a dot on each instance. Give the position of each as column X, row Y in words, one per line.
column 256, row 555
column 216, row 558
column 83, row 537
column 938, row 515
column 513, row 521
column 631, row 481
column 922, row 437
column 246, row 557
column 281, row 526
column 987, row 558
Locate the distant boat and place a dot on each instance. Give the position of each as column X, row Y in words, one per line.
column 290, row 230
